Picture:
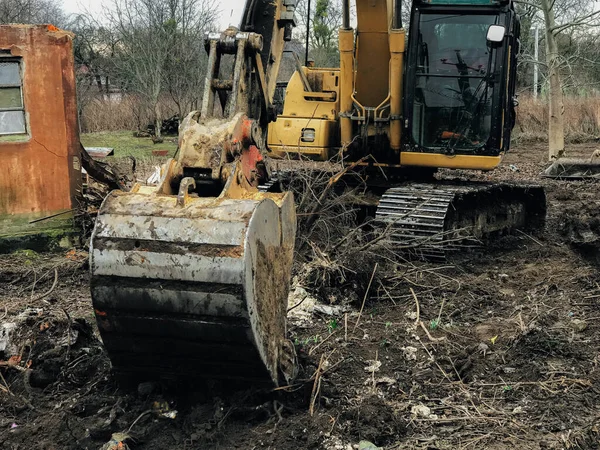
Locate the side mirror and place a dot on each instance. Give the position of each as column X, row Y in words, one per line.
column 496, row 33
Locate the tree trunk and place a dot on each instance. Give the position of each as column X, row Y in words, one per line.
column 103, row 172
column 556, row 126
column 157, row 118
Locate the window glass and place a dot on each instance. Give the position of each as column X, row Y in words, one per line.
column 10, row 98
column 9, row 74
column 12, row 122
column 12, row 112
column 453, row 96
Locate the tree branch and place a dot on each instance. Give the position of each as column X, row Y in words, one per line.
column 579, row 22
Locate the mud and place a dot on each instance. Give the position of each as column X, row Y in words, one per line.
column 507, row 354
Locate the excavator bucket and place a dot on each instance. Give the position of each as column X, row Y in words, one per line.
column 192, row 277
column 199, row 289
column 574, row 169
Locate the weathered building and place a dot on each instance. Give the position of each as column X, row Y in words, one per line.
column 40, row 172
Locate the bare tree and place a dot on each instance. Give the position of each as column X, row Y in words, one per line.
column 145, row 41
column 159, row 49
column 32, row 11
column 93, row 48
column 186, row 63
column 559, row 17
column 556, row 126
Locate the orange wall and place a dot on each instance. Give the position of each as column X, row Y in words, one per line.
column 42, row 175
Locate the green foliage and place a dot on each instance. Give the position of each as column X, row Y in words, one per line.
column 29, row 255
column 332, row 325
column 321, row 30
column 325, row 21
column 307, row 341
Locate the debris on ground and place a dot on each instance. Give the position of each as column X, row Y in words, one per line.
column 422, row 411
column 518, row 365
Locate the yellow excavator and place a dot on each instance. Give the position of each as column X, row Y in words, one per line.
column 192, row 276
column 402, row 110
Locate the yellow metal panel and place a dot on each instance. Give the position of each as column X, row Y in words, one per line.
column 397, row 45
column 346, row 39
column 314, row 153
column 373, row 52
column 285, row 135
column 450, row 162
column 301, row 103
column 374, row 15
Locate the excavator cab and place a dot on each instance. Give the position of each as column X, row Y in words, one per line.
column 460, row 79
column 400, row 109
column 445, row 98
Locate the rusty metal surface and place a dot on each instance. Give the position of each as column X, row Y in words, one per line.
column 48, row 157
column 202, row 140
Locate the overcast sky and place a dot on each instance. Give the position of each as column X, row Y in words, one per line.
column 231, row 10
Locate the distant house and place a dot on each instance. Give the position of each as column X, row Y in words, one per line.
column 40, row 169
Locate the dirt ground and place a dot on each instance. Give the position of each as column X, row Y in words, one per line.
column 507, row 354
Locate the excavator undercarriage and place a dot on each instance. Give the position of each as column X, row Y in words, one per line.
column 435, row 221
column 430, row 219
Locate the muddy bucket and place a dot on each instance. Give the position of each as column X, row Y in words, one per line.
column 196, row 289
column 574, row 169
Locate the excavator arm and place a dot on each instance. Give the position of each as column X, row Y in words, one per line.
column 274, row 21
column 257, row 47
column 191, row 277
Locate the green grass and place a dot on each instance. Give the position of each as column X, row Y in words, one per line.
column 126, row 145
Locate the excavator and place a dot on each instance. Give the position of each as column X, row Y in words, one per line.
column 444, row 99
column 191, row 277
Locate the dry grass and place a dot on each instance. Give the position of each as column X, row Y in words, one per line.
column 126, row 113
column 582, row 119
